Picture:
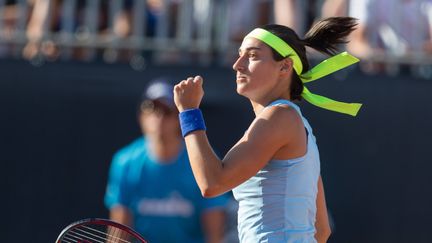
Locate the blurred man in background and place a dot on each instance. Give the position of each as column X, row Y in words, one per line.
column 397, row 28
column 151, row 186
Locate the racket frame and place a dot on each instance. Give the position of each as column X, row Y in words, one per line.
column 100, row 221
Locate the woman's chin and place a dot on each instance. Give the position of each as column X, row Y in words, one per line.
column 241, row 86
column 242, row 92
column 240, row 89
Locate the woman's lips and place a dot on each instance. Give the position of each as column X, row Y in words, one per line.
column 241, row 78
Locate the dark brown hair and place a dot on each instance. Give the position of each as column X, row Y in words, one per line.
column 324, row 36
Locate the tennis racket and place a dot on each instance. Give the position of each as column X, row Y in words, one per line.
column 96, row 230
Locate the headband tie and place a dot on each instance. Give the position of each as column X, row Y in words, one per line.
column 326, row 67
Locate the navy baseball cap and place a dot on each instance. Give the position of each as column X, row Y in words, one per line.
column 161, row 90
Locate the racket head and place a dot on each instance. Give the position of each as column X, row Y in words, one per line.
column 95, row 230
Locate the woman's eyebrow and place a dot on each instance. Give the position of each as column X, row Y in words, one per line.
column 249, row 49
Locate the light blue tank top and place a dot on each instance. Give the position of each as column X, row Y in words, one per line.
column 278, row 204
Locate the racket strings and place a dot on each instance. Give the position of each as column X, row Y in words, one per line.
column 86, row 234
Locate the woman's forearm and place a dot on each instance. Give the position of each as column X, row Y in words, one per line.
column 206, row 165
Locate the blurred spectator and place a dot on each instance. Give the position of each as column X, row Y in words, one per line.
column 151, row 186
column 290, row 13
column 69, row 17
column 244, row 15
column 296, row 14
column 9, row 15
column 241, row 17
column 155, row 10
column 393, row 27
column 334, row 8
column 37, row 28
column 112, row 21
column 14, row 16
column 157, row 18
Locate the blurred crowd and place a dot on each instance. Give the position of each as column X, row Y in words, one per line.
column 392, row 34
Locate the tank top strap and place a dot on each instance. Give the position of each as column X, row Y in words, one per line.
column 285, row 102
column 296, row 107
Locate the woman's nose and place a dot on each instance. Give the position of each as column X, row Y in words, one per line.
column 239, row 64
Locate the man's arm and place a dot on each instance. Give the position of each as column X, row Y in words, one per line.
column 213, row 221
column 122, row 215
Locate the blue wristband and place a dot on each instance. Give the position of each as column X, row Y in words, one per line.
column 191, row 120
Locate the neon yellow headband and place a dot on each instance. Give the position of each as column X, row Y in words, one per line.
column 325, row 68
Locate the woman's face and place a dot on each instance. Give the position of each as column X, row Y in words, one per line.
column 257, row 71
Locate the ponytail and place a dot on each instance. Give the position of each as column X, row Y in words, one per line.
column 327, row 34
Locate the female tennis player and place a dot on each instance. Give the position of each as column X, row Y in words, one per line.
column 274, row 169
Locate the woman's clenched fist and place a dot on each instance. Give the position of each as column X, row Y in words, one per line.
column 188, row 93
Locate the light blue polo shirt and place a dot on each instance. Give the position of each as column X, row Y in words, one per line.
column 164, row 198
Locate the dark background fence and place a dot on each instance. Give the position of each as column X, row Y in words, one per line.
column 61, row 123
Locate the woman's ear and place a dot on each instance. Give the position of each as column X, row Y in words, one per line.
column 286, row 65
